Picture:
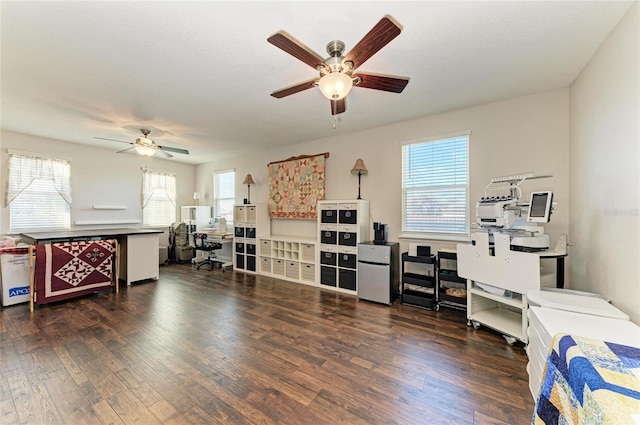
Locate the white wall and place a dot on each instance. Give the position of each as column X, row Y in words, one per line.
column 98, row 176
column 526, row 134
column 604, row 162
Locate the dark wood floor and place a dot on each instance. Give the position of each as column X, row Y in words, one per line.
column 206, row 347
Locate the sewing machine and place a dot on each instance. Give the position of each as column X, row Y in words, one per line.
column 499, row 211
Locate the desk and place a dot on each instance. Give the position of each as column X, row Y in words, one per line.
column 224, row 256
column 139, row 248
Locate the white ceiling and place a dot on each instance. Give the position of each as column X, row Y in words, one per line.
column 200, row 74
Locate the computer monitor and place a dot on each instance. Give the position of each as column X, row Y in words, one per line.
column 540, row 207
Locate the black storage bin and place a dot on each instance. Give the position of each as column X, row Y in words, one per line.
column 239, row 247
column 251, row 263
column 251, row 249
column 329, row 237
column 329, row 216
column 329, row 258
column 240, row 261
column 347, row 239
column 348, row 217
column 251, row 232
column 347, row 260
column 327, row 276
column 239, row 233
column 347, row 279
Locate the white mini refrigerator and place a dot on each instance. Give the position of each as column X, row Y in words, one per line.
column 378, row 266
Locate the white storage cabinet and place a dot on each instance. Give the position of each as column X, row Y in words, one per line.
column 341, row 226
column 249, row 221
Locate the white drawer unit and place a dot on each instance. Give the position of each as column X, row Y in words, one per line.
column 341, row 226
column 289, row 257
column 572, row 312
column 248, row 222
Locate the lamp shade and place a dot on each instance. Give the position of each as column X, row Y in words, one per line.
column 359, row 167
column 248, row 180
column 145, row 150
column 335, row 86
column 196, row 195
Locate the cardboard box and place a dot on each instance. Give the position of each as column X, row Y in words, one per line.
column 14, row 269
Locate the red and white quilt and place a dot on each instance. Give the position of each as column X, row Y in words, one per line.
column 69, row 269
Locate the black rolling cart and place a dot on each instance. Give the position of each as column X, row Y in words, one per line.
column 420, row 286
column 449, row 281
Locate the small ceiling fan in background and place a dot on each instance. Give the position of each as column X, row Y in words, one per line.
column 337, row 73
column 147, row 147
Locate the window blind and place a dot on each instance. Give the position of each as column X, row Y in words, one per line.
column 38, row 193
column 158, row 199
column 224, row 195
column 435, row 187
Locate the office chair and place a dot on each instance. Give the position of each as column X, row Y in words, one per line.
column 201, row 243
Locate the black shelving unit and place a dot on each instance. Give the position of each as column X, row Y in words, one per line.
column 448, row 278
column 420, row 289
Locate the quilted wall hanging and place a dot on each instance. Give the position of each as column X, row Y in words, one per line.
column 296, row 185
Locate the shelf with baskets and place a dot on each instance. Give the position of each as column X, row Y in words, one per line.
column 287, row 257
column 419, row 281
column 341, row 226
column 452, row 289
column 249, row 221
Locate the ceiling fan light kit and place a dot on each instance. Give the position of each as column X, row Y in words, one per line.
column 147, row 147
column 337, row 73
column 335, row 86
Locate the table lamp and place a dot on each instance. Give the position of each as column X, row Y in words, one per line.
column 196, row 197
column 248, row 180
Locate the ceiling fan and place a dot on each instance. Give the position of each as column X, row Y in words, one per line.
column 337, row 73
column 147, row 147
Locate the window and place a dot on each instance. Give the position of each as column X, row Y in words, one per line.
column 224, row 195
column 159, row 199
column 38, row 193
column 435, row 188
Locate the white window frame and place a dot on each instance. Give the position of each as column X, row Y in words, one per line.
column 158, row 199
column 443, row 220
column 218, row 197
column 38, row 192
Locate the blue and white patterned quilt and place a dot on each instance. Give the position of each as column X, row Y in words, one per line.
column 588, row 381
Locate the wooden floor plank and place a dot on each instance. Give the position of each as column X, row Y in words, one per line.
column 209, row 347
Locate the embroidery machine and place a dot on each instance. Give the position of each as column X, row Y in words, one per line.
column 499, row 211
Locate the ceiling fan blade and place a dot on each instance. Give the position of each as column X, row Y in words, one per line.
column 338, row 106
column 379, row 36
column 294, row 89
column 176, row 150
column 127, row 150
column 381, row 82
column 111, row 140
column 284, row 41
column 162, row 153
